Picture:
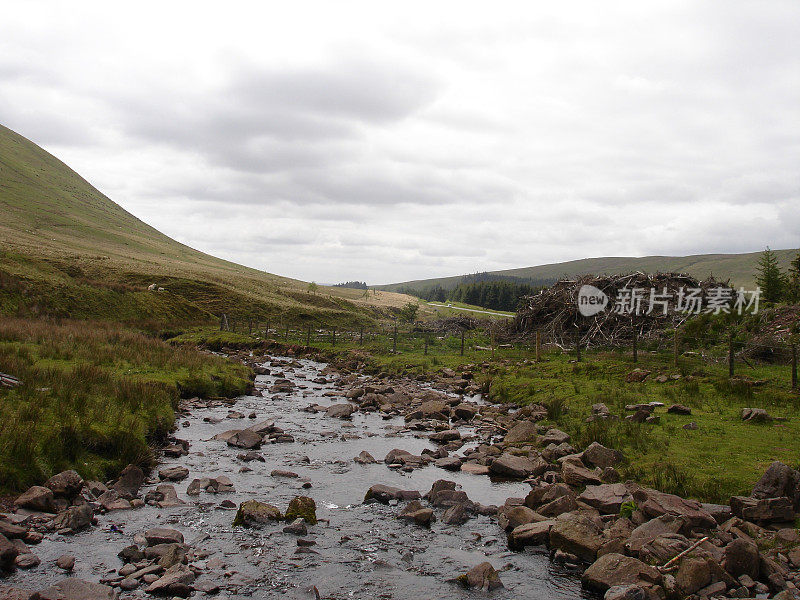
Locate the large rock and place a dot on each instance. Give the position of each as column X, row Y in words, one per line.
column 650, row 530
column 777, row 481
column 693, row 574
column 129, row 482
column 340, row 411
column 176, row 578
column 597, row 455
column 253, row 513
column 386, row 493
column 554, row 436
column 522, row 432
column 616, row 569
column 176, row 473
column 414, row 511
column 530, row 534
column 482, row 577
column 741, row 558
column 163, row 535
column 663, row 548
column 654, row 504
column 577, row 475
column 74, row 518
column 66, row 484
column 8, row 552
column 302, row 507
column 37, row 498
column 508, row 465
column 246, row 438
column 77, row 589
column 578, row 534
column 763, row 511
column 607, row 498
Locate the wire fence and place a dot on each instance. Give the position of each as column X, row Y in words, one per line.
column 740, row 355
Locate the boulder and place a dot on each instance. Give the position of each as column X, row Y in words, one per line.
column 385, row 493
column 481, row 577
column 74, row 518
column 554, row 436
column 12, row 531
column 511, row 517
column 129, row 482
column 246, row 439
column 302, row 507
column 163, row 535
column 693, row 574
column 577, row 475
column 530, row 534
column 449, row 463
column 508, row 465
column 8, row 553
column 679, row 409
column 66, row 484
column 597, row 455
column 616, row 569
column 777, row 481
column 654, row 504
column 442, row 437
column 38, row 498
column 606, row 498
column 77, row 589
column 577, row 534
column 414, row 511
column 365, row 458
column 177, row 577
column 522, row 432
column 650, row 530
column 625, row 592
column 465, row 412
column 176, row 473
column 340, row 411
column 756, row 415
column 763, row 511
column 457, row 514
column 253, row 513
column 663, row 548
column 741, row 558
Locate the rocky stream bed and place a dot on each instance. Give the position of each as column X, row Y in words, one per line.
column 392, row 489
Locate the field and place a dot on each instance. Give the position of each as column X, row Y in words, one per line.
column 94, row 397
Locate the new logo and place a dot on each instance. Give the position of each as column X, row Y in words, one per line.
column 591, row 300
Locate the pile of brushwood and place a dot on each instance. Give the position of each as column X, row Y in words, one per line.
column 554, row 311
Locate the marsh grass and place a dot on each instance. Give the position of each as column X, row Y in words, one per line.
column 94, row 396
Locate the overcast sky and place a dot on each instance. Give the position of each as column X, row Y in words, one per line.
column 390, row 141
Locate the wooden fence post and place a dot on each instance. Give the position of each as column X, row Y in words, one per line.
column 394, row 346
column 361, row 336
column 730, row 354
column 794, row 366
column 538, row 346
column 578, row 348
column 491, row 342
column 635, row 348
column 462, row 342
column 333, row 337
column 266, row 331
column 425, row 352
column 308, row 336
column 675, row 348
column 286, row 333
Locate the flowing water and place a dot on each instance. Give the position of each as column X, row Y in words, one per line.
column 362, row 551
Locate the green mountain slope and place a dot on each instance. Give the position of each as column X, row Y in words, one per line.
column 67, row 250
column 739, row 268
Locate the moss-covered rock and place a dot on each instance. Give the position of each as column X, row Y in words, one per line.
column 302, row 507
column 253, row 513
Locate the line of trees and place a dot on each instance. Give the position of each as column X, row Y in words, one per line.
column 494, row 295
column 356, row 285
column 777, row 286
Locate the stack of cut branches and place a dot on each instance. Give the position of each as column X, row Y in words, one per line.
column 554, row 311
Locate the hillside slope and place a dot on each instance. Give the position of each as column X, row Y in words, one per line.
column 68, row 250
column 740, row 268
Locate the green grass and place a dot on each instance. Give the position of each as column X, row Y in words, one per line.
column 94, row 396
column 723, row 457
column 68, row 251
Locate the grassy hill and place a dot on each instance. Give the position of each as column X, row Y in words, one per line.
column 740, row 268
column 67, row 250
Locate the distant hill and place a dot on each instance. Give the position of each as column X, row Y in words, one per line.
column 739, row 268
column 66, row 250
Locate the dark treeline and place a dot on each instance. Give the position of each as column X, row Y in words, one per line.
column 495, row 295
column 356, row 285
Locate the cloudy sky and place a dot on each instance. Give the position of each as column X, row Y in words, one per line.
column 389, row 141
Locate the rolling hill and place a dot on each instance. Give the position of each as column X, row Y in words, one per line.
column 66, row 250
column 739, row 268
